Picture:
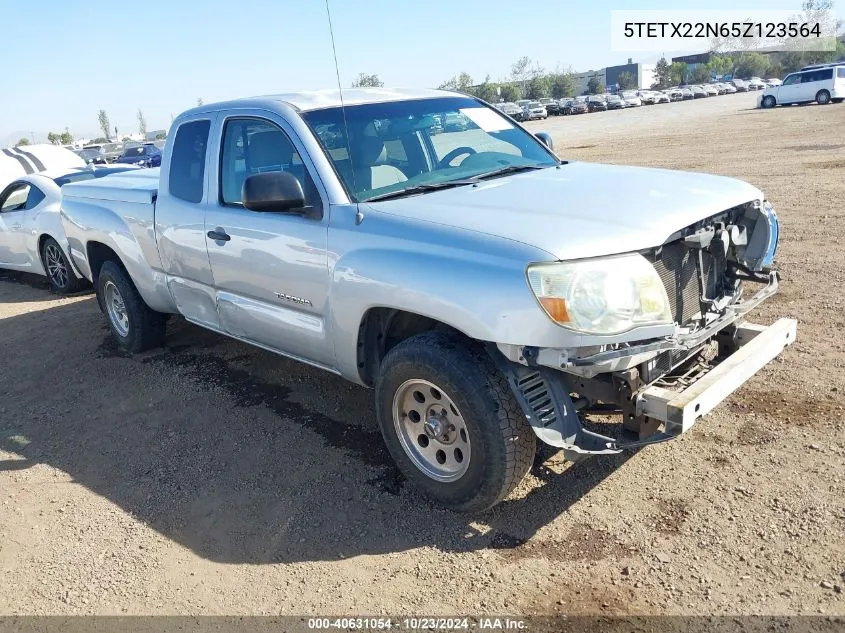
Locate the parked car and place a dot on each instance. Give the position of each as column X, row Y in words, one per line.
column 553, row 107
column 729, row 88
column 478, row 298
column 757, row 84
column 773, row 81
column 821, row 85
column 144, row 156
column 550, row 104
column 16, row 162
column 32, row 239
column 596, row 103
column 711, row 90
column 534, row 110
column 631, row 98
column 674, row 94
column 578, row 105
column 698, row 92
column 740, row 85
column 615, row 102
column 646, row 97
column 512, row 110
column 91, row 155
column 686, row 94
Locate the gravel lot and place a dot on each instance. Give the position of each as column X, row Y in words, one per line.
column 209, row 477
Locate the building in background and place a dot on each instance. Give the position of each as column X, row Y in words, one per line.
column 583, row 79
column 643, row 74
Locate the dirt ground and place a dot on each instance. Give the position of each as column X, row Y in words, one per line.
column 209, row 477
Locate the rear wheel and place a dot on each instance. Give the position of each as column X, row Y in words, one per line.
column 133, row 323
column 768, row 102
column 822, row 97
column 451, row 423
column 63, row 281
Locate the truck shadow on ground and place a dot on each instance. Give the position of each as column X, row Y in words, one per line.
column 235, row 453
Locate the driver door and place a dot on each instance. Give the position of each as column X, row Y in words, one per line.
column 14, row 204
column 790, row 89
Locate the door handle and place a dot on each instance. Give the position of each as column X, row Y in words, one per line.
column 219, row 235
column 16, row 226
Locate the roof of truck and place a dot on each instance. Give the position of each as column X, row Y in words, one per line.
column 317, row 99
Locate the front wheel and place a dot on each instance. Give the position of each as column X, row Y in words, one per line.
column 451, row 423
column 822, row 97
column 133, row 323
column 768, row 102
column 63, row 281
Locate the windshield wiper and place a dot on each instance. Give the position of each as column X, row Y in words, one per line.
column 423, row 188
column 448, row 184
column 510, row 169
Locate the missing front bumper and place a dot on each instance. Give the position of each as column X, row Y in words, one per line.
column 553, row 415
column 756, row 346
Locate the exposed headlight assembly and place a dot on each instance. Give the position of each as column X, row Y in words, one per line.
column 608, row 295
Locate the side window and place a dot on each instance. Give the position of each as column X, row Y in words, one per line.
column 187, row 163
column 14, row 198
column 34, row 198
column 792, row 79
column 840, row 72
column 253, row 146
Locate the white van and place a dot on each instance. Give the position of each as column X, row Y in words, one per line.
column 822, row 85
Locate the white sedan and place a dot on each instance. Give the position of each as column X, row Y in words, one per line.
column 31, row 236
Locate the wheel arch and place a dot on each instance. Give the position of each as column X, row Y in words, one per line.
column 383, row 328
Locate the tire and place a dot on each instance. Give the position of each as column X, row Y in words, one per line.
column 134, row 325
column 822, row 97
column 768, row 102
column 63, row 280
column 477, row 409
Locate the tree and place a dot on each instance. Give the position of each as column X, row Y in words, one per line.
column 509, row 92
column 721, row 65
column 142, row 123
column 105, row 124
column 752, row 65
column 200, row 101
column 539, row 87
column 677, row 73
column 563, row 85
column 99, row 141
column 66, row 138
column 627, row 81
column 160, row 136
column 662, row 74
column 54, row 139
column 595, row 86
column 461, row 82
column 520, row 72
column 487, row 91
column 367, row 81
column 700, row 74
column 23, row 141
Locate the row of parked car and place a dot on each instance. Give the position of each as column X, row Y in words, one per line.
column 528, row 110
column 129, row 153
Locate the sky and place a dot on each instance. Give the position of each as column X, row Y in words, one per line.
column 72, row 59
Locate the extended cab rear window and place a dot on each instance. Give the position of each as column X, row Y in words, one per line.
column 187, row 162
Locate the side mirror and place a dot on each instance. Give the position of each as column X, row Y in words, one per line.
column 546, row 140
column 272, row 191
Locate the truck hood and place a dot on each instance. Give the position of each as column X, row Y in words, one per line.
column 580, row 209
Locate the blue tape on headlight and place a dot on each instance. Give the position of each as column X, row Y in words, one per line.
column 774, row 234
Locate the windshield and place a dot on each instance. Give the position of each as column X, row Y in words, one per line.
column 133, row 151
column 396, row 145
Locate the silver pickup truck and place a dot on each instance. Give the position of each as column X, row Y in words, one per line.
column 491, row 293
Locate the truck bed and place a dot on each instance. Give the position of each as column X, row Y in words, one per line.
column 137, row 186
